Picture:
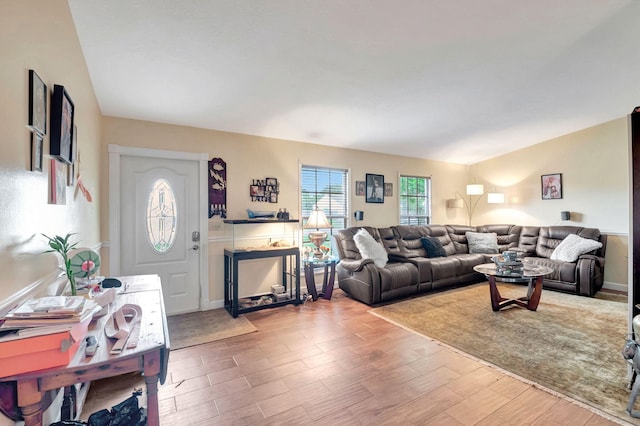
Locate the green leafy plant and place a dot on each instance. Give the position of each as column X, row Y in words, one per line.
column 62, row 246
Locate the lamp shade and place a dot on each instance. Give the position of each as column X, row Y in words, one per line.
column 317, row 220
column 495, row 198
column 475, row 189
column 455, row 203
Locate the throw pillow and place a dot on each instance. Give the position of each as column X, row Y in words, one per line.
column 573, row 246
column 482, row 242
column 433, row 246
column 370, row 248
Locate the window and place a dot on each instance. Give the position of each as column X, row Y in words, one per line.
column 161, row 216
column 415, row 200
column 327, row 189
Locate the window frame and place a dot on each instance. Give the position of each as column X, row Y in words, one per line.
column 414, row 219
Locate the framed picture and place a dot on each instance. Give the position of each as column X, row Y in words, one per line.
column 551, row 186
column 62, row 125
column 272, row 182
column 37, row 104
column 375, row 188
column 360, row 187
column 58, row 183
column 388, row 190
column 36, row 152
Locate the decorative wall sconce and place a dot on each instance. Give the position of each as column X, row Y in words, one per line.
column 565, row 215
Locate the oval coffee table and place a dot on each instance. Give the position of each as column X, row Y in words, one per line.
column 530, row 273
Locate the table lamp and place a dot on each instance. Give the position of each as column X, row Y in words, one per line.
column 317, row 220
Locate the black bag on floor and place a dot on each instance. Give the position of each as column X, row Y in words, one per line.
column 127, row 413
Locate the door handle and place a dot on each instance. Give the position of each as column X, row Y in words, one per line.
column 195, row 247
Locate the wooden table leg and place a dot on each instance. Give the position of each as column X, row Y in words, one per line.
column 310, row 279
column 151, row 372
column 329, row 282
column 534, row 297
column 495, row 294
column 30, row 402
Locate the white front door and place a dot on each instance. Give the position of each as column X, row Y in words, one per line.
column 160, row 228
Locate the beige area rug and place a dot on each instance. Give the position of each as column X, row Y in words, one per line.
column 571, row 344
column 197, row 328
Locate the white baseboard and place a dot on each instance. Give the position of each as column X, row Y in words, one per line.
column 615, row 287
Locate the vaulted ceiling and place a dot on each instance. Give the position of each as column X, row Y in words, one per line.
column 458, row 81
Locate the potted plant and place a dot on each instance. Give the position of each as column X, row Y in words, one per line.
column 62, row 246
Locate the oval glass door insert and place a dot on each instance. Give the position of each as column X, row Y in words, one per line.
column 161, row 216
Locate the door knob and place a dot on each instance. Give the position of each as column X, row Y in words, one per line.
column 195, row 247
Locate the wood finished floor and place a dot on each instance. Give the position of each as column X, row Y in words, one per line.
column 330, row 362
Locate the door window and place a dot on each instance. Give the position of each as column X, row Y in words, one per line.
column 161, row 216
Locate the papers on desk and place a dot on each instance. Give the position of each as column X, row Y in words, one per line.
column 46, row 315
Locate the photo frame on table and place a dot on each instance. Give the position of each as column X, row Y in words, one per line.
column 36, row 152
column 551, row 186
column 62, row 125
column 374, row 188
column 37, row 104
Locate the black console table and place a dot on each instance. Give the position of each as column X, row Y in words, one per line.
column 290, row 278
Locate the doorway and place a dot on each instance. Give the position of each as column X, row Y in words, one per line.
column 158, row 222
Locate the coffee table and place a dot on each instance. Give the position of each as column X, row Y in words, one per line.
column 531, row 274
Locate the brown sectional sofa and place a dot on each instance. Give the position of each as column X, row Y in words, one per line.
column 409, row 271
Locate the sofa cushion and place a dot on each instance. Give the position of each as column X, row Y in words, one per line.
column 481, row 242
column 433, row 247
column 370, row 248
column 573, row 246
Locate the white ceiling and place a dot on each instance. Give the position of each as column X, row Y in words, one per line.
column 458, row 80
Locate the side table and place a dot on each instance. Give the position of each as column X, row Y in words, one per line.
column 329, row 265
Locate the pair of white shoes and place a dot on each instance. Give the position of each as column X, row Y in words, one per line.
column 124, row 326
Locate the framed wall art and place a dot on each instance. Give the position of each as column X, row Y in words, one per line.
column 375, row 188
column 551, row 186
column 359, row 187
column 62, row 125
column 388, row 190
column 264, row 190
column 36, row 152
column 217, row 188
column 37, row 104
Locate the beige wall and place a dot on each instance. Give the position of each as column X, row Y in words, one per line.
column 40, row 35
column 594, row 163
column 586, row 168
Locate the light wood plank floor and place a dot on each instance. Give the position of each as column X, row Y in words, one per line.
column 330, row 362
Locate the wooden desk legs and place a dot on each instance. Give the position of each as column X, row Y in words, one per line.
column 534, row 291
column 151, row 372
column 29, row 400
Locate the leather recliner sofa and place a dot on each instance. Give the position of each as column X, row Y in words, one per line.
column 409, row 271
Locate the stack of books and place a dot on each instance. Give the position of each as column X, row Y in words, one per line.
column 46, row 315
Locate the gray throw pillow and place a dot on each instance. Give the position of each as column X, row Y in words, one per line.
column 482, row 242
column 433, row 247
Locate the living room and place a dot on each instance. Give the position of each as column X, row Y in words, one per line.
column 40, row 35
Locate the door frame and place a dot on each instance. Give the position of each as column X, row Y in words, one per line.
column 115, row 153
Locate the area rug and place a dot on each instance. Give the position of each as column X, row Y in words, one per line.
column 197, row 328
column 571, row 344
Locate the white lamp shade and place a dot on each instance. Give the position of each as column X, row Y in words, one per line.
column 317, row 220
column 455, row 203
column 495, row 198
column 475, row 189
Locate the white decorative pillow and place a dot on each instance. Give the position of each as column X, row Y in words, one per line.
column 370, row 248
column 573, row 246
column 482, row 242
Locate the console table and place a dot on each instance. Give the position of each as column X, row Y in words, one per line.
column 290, row 258
column 150, row 357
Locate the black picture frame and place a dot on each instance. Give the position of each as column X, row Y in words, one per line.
column 37, row 104
column 551, row 186
column 62, row 125
column 374, row 188
column 37, row 145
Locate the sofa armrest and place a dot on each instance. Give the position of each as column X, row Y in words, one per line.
column 354, row 265
column 599, row 260
column 589, row 274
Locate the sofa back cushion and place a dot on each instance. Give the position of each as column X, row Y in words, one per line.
column 508, row 235
column 551, row 236
column 442, row 234
column 458, row 234
column 408, row 238
column 529, row 239
column 347, row 248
